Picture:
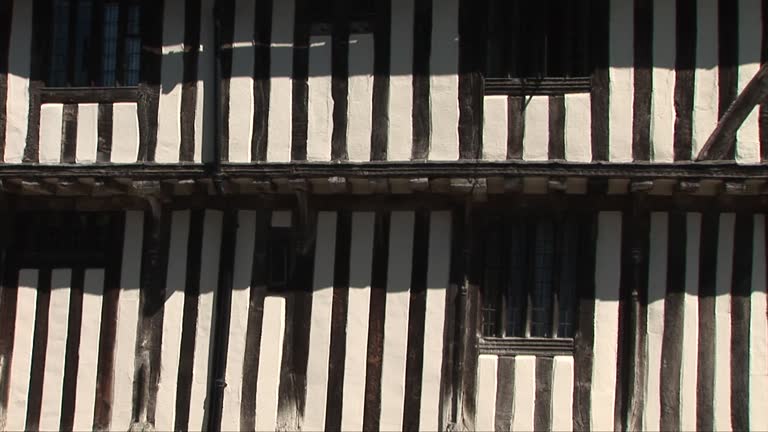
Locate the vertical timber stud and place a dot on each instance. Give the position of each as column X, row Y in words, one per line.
column 469, row 327
column 471, row 52
column 153, row 270
column 149, row 87
column 222, row 310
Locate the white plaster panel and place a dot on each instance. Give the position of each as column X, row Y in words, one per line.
column 238, row 323
column 127, row 320
column 50, row 133
column 690, row 324
column 241, row 83
column 607, row 279
column 55, row 349
column 396, row 320
column 622, row 81
column 205, row 105
column 722, row 387
column 438, row 268
column 173, row 316
column 758, row 332
column 209, row 272
column 562, row 394
column 578, row 128
column 401, row 81
column 663, row 95
column 657, row 290
column 536, row 133
column 88, row 351
column 21, row 364
column 281, row 86
column 270, row 356
column 320, row 329
column 355, row 363
column 125, row 133
column 171, row 78
column 320, row 103
column 495, row 127
column 19, row 65
column 444, row 81
column 487, row 367
column 524, row 393
column 750, row 49
column 360, row 97
column 87, row 132
column 705, row 89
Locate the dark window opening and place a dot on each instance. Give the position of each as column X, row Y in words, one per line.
column 538, row 45
column 95, row 43
column 358, row 14
column 531, row 277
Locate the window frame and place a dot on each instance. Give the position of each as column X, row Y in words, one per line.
column 500, row 344
column 537, row 85
column 92, row 93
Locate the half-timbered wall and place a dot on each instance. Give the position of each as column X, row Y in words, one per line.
column 672, row 334
column 403, row 86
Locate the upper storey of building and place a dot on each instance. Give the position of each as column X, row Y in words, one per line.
column 294, row 81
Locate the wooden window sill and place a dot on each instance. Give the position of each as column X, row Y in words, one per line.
column 541, row 347
column 88, row 94
column 536, row 86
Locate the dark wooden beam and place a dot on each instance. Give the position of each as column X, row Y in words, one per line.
column 722, row 140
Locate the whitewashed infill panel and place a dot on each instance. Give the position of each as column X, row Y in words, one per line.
column 238, row 322
column 750, row 49
column 607, row 280
column 19, row 65
column 621, row 75
column 87, row 132
column 562, row 394
column 88, row 351
column 241, row 83
column 487, row 368
column 444, row 81
column 396, row 320
column 690, row 324
column 209, row 273
column 438, row 268
column 495, row 127
column 51, row 116
column 536, row 133
column 401, row 81
column 355, row 361
column 205, row 105
column 657, row 290
column 758, row 332
column 270, row 356
column 55, row 349
column 21, row 360
column 360, row 97
column 663, row 95
column 705, row 98
column 722, row 388
column 173, row 315
column 127, row 320
column 125, row 133
column 320, row 102
column 525, row 393
column 171, row 80
column 320, row 330
column 281, row 86
column 578, row 128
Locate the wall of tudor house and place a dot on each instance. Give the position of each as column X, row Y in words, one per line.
column 365, row 335
column 405, row 90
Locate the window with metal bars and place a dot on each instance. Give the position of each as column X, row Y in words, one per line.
column 532, row 275
column 95, row 43
column 537, row 47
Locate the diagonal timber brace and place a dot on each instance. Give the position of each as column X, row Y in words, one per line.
column 719, row 144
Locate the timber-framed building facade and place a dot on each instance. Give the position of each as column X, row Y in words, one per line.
column 383, row 215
